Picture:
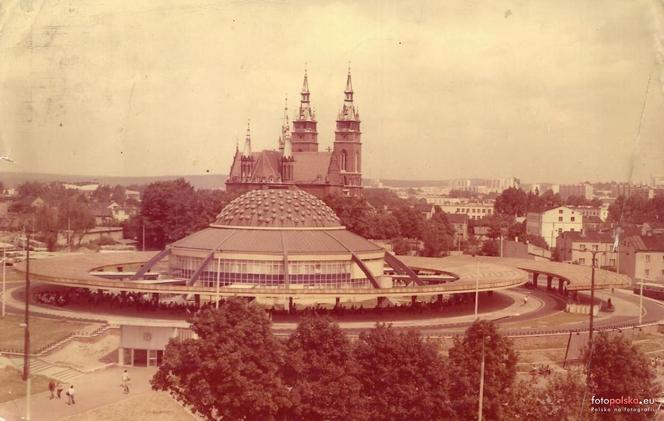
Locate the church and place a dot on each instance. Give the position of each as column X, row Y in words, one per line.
column 297, row 162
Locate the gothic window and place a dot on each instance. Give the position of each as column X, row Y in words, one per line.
column 357, row 162
column 343, row 160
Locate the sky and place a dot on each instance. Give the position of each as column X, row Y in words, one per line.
column 541, row 90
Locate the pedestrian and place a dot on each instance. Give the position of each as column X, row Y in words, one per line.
column 525, row 300
column 125, row 381
column 51, row 388
column 70, row 395
column 59, row 389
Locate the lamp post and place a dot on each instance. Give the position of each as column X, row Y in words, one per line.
column 26, row 337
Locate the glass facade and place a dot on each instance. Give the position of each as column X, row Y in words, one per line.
column 268, row 273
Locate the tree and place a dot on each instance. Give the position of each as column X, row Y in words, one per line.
column 403, row 377
column 618, row 368
column 490, row 248
column 46, row 224
column 512, row 202
column 74, row 215
column 499, row 373
column 118, row 195
column 385, row 226
column 560, row 399
column 102, row 194
column 320, row 369
column 232, row 370
column 30, row 189
column 437, row 235
column 400, row 246
column 410, row 221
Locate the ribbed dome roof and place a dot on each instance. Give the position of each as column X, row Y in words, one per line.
column 278, row 208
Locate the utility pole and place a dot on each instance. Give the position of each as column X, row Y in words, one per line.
column 641, row 304
column 26, row 337
column 477, row 285
column 592, row 298
column 4, row 279
column 481, row 399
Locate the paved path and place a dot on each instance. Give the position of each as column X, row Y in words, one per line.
column 92, row 390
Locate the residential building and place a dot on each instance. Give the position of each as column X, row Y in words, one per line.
column 133, row 194
column 550, row 223
column 642, row 257
column 591, row 223
column 474, row 210
column 427, row 210
column 576, row 247
column 459, row 221
column 580, row 190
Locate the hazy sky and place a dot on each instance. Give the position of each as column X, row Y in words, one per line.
column 542, row 90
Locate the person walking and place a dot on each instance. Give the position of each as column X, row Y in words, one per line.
column 51, row 388
column 59, row 389
column 70, row 395
column 525, row 300
column 125, row 381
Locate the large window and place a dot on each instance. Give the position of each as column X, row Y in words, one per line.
column 268, row 273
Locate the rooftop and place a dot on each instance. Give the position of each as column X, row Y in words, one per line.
column 277, row 208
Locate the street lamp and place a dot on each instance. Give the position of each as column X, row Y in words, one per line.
column 4, row 255
column 26, row 337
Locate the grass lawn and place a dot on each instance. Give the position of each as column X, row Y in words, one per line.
column 149, row 406
column 42, row 331
column 13, row 385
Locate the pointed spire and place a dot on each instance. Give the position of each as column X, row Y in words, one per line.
column 305, row 83
column 247, row 141
column 349, row 86
column 305, row 107
column 348, row 111
column 285, row 126
column 237, row 145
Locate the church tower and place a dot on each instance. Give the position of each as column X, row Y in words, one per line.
column 347, row 142
column 305, row 134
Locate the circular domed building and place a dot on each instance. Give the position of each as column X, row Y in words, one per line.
column 278, row 239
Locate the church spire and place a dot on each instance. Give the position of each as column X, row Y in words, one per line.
column 285, row 127
column 348, row 111
column 306, row 113
column 349, row 87
column 247, row 141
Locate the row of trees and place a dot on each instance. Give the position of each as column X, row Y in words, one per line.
column 516, row 202
column 171, row 210
column 637, row 209
column 62, row 210
column 238, row 370
column 381, row 215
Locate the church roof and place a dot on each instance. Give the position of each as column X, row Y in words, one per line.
column 311, row 167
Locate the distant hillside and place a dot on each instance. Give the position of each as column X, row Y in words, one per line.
column 212, row 181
